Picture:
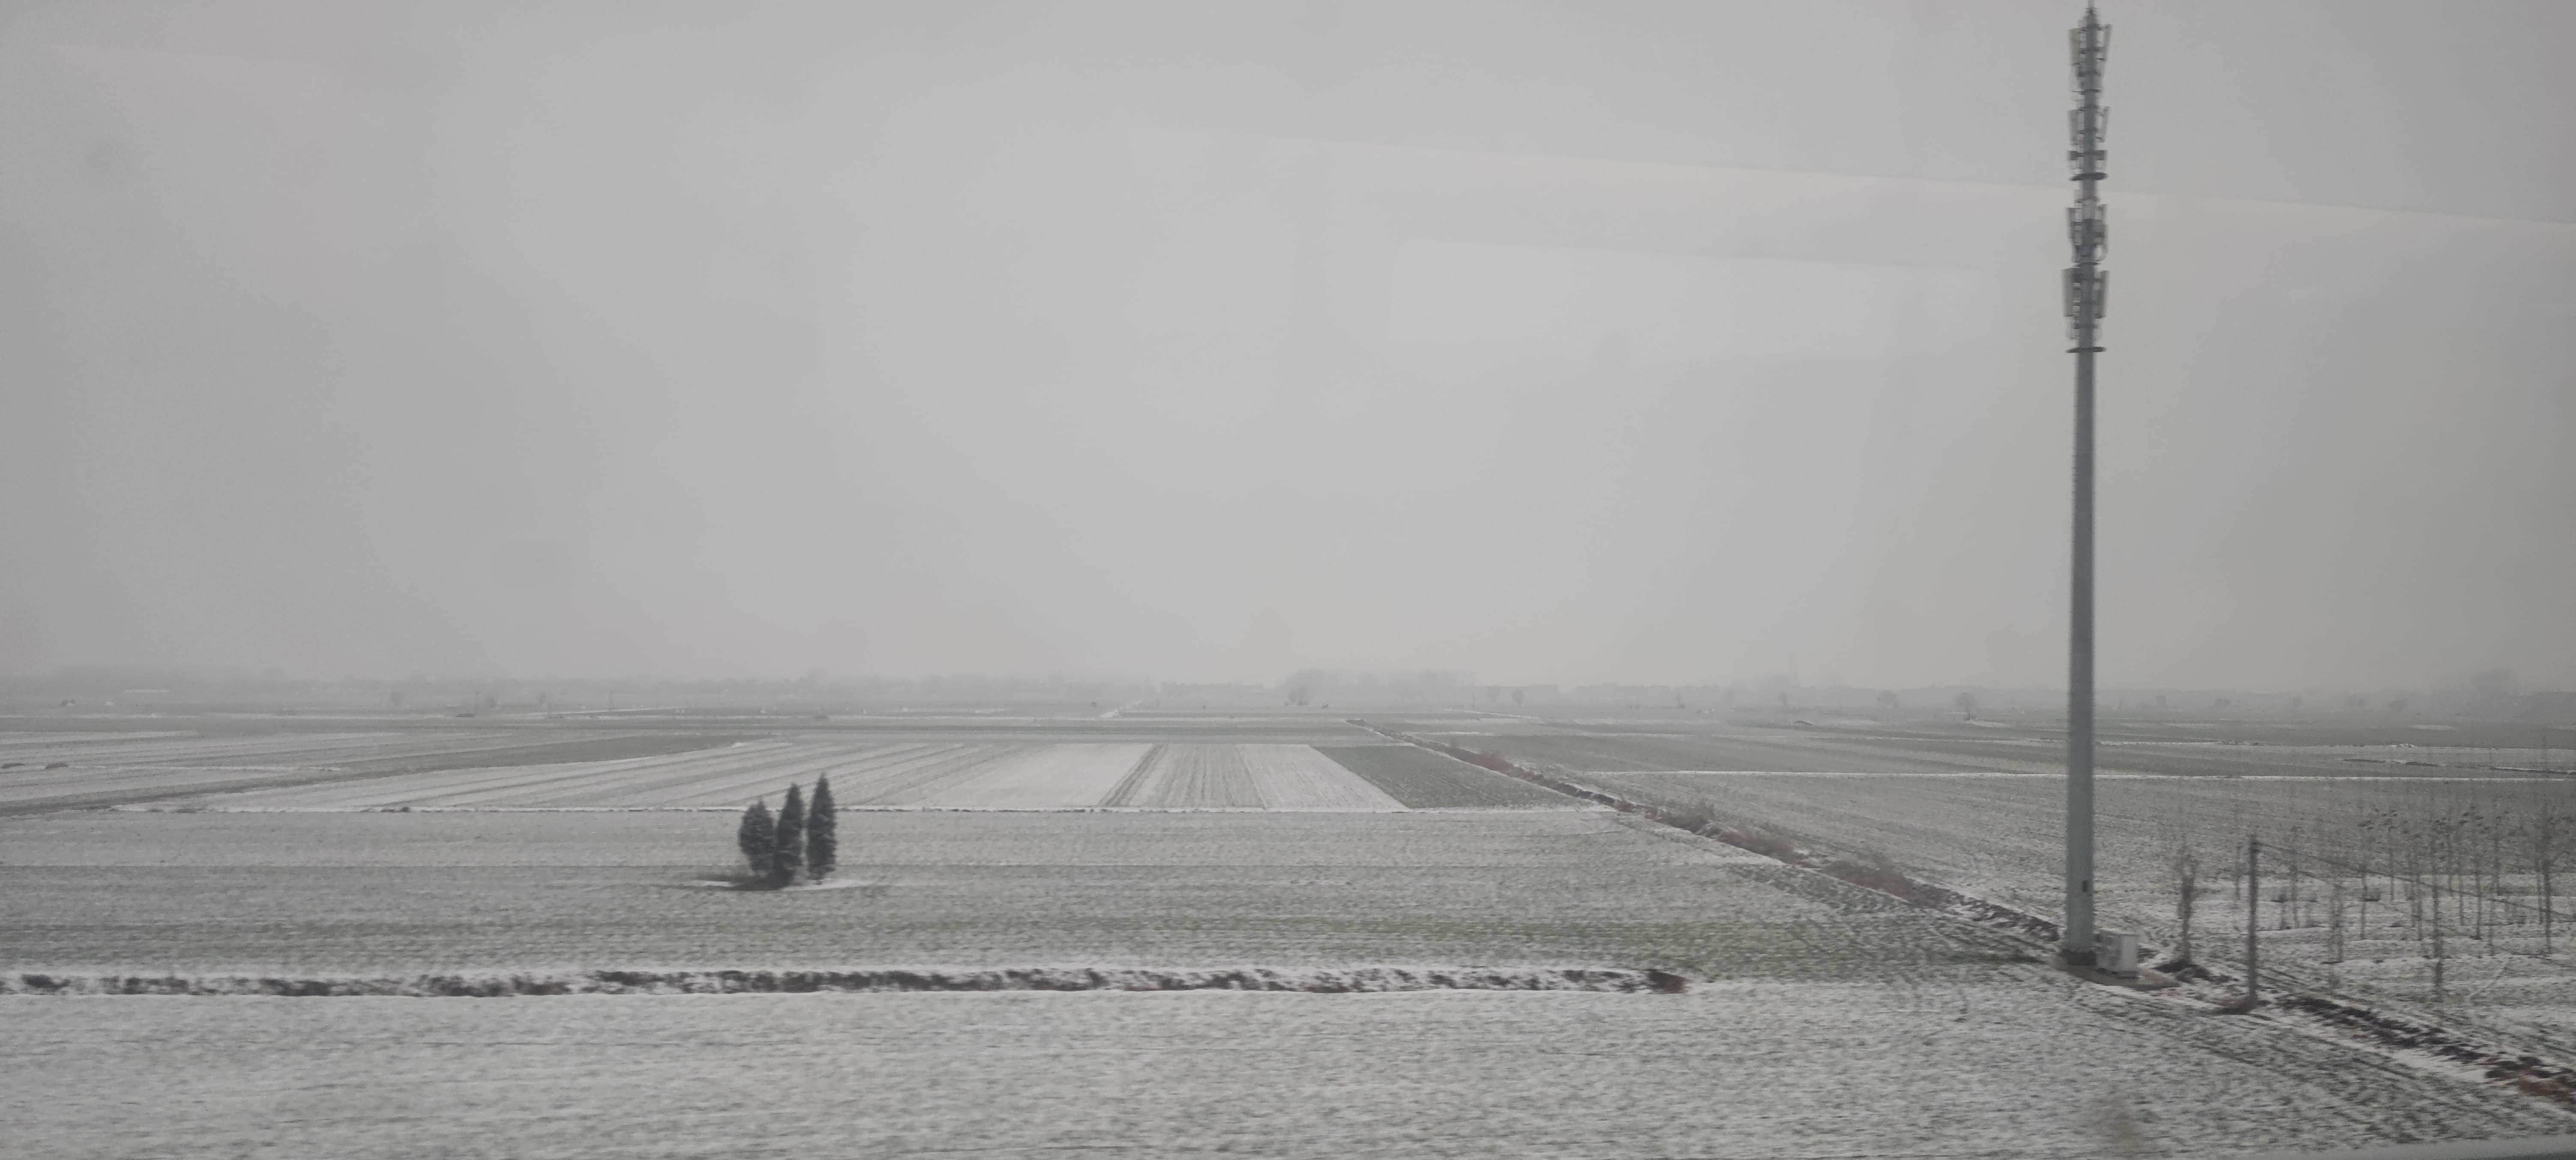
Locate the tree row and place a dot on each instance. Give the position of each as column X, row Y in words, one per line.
column 797, row 842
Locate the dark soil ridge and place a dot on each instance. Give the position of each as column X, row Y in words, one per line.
column 2525, row 1073
column 1352, row 980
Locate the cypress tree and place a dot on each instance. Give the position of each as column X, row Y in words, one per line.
column 822, row 840
column 758, row 838
column 790, row 850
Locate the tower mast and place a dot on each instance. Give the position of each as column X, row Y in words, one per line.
column 2085, row 287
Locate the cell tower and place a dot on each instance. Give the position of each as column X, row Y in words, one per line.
column 2086, row 284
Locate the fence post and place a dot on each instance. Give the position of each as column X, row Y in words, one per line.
column 2253, row 919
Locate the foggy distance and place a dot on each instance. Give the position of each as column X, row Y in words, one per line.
column 1783, row 580
column 1666, row 344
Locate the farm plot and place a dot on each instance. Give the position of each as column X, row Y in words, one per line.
column 259, row 750
column 731, row 776
column 1299, row 777
column 1278, row 777
column 37, row 788
column 1680, row 751
column 1189, row 776
column 20, row 746
column 1422, row 779
column 2013, row 1068
column 1043, row 777
column 916, row 774
column 401, row 894
column 122, row 770
column 1857, row 751
column 2371, row 882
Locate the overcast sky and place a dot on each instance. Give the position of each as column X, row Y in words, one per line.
column 1552, row 342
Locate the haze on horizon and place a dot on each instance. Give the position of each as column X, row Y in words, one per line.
column 1673, row 342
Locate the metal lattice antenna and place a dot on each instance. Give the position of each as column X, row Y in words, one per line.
column 2088, row 233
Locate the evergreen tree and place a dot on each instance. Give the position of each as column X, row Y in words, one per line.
column 822, row 840
column 790, row 847
column 759, row 840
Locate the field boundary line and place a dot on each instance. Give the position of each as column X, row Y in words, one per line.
column 864, row 980
column 155, row 808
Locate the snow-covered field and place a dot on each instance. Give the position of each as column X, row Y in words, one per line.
column 1241, row 776
column 1997, row 837
column 104, row 763
column 920, row 774
column 394, row 893
column 1824, row 1019
column 46, row 770
column 1925, row 807
column 2020, row 1063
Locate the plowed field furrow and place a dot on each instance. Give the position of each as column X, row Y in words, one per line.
column 88, row 782
column 66, row 783
column 1206, row 776
column 768, row 780
column 450, row 787
column 650, row 790
column 1295, row 777
column 911, row 783
column 462, row 787
column 373, row 749
column 737, row 782
column 903, row 779
column 305, row 749
column 1045, row 777
column 81, row 779
column 1422, row 779
column 195, row 750
column 734, row 776
column 409, row 789
column 621, row 783
column 677, row 787
column 1143, row 783
column 10, row 743
column 738, row 776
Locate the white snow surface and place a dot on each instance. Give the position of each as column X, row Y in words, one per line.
column 2034, row 1068
column 865, row 774
column 1043, row 777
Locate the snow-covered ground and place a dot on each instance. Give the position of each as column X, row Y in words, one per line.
column 2021, row 1063
column 1824, row 1019
column 931, row 774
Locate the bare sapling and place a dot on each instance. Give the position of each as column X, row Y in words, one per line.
column 2187, row 880
column 2289, row 895
column 2458, row 845
column 2334, row 919
column 2253, row 866
column 2440, row 957
column 2415, row 894
column 2543, row 861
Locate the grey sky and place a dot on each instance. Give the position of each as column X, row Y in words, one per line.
column 1553, row 342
